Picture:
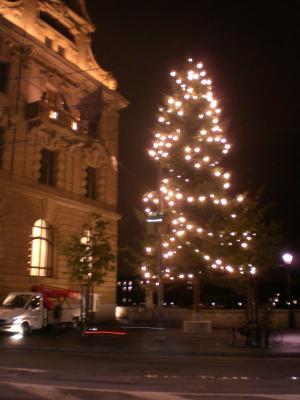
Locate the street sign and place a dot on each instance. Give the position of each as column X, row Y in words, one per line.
column 155, row 217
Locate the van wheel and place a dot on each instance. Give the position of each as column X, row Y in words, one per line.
column 25, row 329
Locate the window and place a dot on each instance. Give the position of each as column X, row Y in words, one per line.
column 41, row 249
column 4, row 76
column 35, row 303
column 57, row 25
column 92, row 128
column 91, row 183
column 16, row 301
column 1, row 146
column 48, row 42
column 48, row 167
column 61, row 51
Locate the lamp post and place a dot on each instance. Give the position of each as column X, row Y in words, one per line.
column 288, row 259
column 157, row 217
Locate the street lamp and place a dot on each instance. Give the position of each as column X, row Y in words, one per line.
column 288, row 259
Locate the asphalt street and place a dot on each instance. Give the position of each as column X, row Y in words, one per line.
column 62, row 375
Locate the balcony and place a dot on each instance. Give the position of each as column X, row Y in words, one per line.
column 39, row 111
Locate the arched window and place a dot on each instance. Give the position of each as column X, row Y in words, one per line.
column 41, row 249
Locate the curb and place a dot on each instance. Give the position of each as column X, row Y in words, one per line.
column 114, row 351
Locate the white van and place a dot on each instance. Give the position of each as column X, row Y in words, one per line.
column 22, row 312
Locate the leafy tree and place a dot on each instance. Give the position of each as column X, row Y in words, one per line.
column 89, row 255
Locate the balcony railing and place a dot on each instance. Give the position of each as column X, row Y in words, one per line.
column 39, row 110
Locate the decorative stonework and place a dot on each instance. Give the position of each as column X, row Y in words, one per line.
column 48, row 121
column 9, row 7
column 95, row 156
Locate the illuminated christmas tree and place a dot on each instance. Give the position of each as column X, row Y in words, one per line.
column 189, row 146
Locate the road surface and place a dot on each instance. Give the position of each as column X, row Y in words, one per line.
column 33, row 375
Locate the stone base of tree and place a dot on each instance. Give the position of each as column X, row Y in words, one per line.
column 197, row 326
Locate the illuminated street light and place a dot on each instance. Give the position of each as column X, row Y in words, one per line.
column 288, row 259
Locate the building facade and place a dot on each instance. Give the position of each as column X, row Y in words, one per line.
column 59, row 115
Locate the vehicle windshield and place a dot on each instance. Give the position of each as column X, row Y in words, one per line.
column 15, row 300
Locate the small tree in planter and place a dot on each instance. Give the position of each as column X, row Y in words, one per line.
column 90, row 257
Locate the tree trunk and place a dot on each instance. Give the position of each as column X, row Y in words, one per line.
column 252, row 312
column 149, row 297
column 196, row 296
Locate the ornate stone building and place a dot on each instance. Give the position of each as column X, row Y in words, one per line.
column 58, row 141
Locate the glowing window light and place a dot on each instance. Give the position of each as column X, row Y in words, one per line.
column 53, row 114
column 74, row 125
column 41, row 249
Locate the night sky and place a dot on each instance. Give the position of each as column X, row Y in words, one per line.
column 252, row 55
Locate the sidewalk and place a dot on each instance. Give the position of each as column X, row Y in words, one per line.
column 149, row 340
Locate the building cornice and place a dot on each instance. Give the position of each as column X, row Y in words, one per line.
column 63, row 199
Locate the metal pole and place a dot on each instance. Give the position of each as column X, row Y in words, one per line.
column 160, row 287
column 289, row 297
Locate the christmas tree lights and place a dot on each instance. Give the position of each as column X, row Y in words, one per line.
column 189, row 146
